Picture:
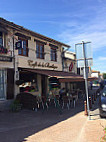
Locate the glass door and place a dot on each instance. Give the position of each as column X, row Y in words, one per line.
column 2, row 84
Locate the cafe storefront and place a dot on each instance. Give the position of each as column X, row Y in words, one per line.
column 38, row 81
column 31, row 79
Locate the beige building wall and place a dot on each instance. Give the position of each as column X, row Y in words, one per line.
column 23, row 61
column 70, row 57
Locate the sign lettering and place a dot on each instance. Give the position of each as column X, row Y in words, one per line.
column 39, row 64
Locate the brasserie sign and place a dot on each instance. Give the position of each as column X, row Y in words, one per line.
column 41, row 64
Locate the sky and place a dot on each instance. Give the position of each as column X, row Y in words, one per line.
column 69, row 21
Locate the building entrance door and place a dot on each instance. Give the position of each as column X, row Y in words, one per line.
column 44, row 85
column 2, row 84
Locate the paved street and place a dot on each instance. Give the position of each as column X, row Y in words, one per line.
column 49, row 126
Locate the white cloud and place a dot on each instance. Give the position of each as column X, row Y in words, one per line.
column 93, row 30
column 89, row 29
column 102, row 58
column 99, row 64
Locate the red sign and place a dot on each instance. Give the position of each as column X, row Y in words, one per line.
column 71, row 66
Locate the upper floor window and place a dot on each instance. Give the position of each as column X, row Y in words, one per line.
column 53, row 54
column 1, row 39
column 39, row 50
column 24, row 50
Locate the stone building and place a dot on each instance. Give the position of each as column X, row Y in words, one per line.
column 29, row 59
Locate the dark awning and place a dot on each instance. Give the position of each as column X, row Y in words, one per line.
column 66, row 76
column 62, row 76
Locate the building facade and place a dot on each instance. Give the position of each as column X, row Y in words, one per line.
column 37, row 52
column 29, row 60
column 70, row 65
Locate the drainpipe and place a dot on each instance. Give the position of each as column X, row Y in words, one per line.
column 16, row 75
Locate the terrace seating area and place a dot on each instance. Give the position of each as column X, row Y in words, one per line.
column 30, row 101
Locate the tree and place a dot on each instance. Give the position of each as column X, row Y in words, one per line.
column 104, row 75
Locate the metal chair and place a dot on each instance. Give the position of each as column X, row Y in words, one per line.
column 65, row 102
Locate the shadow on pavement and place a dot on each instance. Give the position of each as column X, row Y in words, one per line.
column 16, row 127
column 94, row 113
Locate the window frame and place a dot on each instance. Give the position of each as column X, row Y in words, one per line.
column 53, row 54
column 40, row 52
column 22, row 49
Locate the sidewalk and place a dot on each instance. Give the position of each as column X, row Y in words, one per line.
column 93, row 130
column 49, row 126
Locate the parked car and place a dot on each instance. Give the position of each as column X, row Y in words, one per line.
column 102, row 103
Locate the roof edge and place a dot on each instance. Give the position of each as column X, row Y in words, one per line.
column 2, row 20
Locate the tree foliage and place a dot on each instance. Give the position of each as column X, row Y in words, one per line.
column 104, row 75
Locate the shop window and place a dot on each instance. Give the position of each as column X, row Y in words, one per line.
column 30, row 83
column 39, row 50
column 53, row 54
column 2, row 84
column 24, row 50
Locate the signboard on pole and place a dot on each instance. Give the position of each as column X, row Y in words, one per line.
column 84, row 59
column 80, row 55
column 18, row 44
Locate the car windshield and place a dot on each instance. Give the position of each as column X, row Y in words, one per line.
column 104, row 92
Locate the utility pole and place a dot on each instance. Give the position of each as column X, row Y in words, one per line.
column 14, row 64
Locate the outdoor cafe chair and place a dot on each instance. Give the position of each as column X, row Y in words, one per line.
column 70, row 100
column 65, row 102
column 44, row 102
column 56, row 99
